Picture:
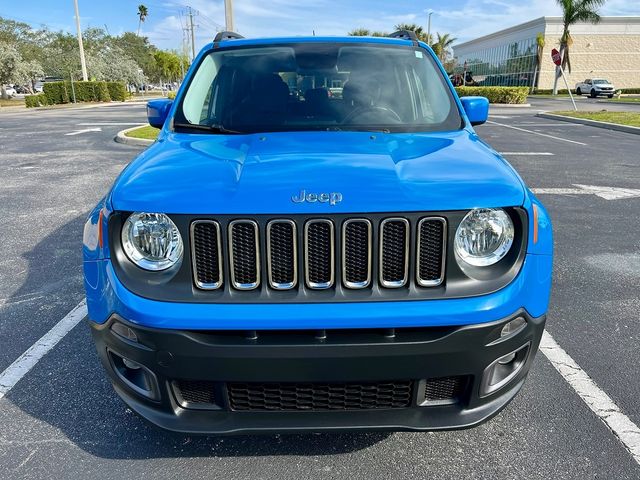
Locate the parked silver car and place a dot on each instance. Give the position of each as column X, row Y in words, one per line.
column 595, row 87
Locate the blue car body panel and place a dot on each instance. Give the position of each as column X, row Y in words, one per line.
column 259, row 173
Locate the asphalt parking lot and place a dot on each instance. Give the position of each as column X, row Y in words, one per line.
column 62, row 419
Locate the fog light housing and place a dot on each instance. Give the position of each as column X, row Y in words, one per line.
column 134, row 375
column 503, row 370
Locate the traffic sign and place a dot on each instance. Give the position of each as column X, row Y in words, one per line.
column 555, row 56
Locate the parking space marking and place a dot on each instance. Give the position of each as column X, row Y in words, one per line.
column 95, row 124
column 537, row 133
column 597, row 400
column 541, row 154
column 86, row 130
column 25, row 362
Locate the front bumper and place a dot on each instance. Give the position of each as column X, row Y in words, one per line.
column 218, row 359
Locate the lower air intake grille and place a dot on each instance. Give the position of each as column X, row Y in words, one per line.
column 194, row 392
column 319, row 396
column 444, row 390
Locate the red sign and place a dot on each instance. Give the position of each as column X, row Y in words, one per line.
column 555, row 56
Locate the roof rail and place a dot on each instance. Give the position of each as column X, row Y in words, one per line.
column 220, row 36
column 405, row 35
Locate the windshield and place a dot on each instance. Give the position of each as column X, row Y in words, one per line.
column 318, row 86
column 600, row 82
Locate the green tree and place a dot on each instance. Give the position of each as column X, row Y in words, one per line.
column 365, row 32
column 417, row 29
column 14, row 69
column 442, row 46
column 143, row 13
column 574, row 11
column 539, row 57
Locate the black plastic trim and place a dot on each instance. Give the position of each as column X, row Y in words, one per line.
column 176, row 283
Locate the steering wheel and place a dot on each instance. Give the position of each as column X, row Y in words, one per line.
column 373, row 110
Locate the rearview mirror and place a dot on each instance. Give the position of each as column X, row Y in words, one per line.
column 476, row 108
column 157, row 111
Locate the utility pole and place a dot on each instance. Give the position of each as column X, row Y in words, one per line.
column 193, row 35
column 228, row 15
column 85, row 77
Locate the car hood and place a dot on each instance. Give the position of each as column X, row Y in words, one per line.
column 372, row 172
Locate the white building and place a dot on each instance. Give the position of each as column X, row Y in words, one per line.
column 609, row 49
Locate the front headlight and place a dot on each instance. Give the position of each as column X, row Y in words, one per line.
column 151, row 241
column 484, row 236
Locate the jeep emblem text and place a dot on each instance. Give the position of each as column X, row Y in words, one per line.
column 303, row 196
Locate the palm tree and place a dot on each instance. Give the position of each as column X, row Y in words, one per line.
column 418, row 30
column 143, row 13
column 574, row 11
column 539, row 50
column 442, row 45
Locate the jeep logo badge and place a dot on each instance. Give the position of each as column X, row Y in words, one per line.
column 331, row 198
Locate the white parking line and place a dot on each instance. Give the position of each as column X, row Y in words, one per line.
column 25, row 362
column 541, row 154
column 597, row 400
column 537, row 133
column 95, row 124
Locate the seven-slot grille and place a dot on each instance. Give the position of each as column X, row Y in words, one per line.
column 360, row 242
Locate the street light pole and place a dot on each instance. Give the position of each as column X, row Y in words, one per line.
column 429, row 27
column 228, row 15
column 85, row 77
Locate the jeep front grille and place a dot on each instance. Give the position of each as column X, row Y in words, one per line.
column 245, row 254
column 319, row 253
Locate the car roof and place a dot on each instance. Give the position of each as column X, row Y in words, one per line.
column 343, row 39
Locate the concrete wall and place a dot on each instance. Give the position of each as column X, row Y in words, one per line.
column 604, row 50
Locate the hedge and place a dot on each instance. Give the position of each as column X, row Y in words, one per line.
column 61, row 92
column 38, row 100
column 548, row 91
column 496, row 94
column 117, row 91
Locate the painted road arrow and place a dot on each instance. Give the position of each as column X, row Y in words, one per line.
column 608, row 193
column 86, row 130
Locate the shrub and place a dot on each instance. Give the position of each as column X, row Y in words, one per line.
column 56, row 92
column 171, row 95
column 512, row 95
column 117, row 91
column 91, row 91
column 38, row 100
column 549, row 91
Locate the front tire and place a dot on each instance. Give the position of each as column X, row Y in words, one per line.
column 610, row 96
column 593, row 94
column 578, row 91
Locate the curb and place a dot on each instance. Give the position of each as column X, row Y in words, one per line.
column 121, row 137
column 592, row 123
column 609, row 102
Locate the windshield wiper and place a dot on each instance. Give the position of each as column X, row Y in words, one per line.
column 217, row 128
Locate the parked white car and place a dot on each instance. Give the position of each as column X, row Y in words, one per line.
column 595, row 87
column 11, row 92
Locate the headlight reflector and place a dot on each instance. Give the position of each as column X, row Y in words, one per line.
column 484, row 236
column 151, row 241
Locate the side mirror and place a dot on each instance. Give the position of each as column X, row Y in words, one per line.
column 476, row 108
column 157, row 111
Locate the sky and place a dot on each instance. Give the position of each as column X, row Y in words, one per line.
column 463, row 19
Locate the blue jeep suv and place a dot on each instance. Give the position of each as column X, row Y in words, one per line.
column 318, row 240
